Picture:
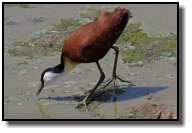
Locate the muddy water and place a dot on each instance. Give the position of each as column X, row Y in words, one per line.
column 150, row 79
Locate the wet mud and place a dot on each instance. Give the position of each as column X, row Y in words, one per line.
column 154, row 85
column 148, row 111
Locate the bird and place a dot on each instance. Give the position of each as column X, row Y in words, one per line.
column 90, row 43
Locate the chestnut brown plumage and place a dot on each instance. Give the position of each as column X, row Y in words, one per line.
column 90, row 43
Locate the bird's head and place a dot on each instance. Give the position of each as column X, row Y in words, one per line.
column 48, row 76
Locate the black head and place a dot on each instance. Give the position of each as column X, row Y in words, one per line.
column 50, row 74
column 42, row 79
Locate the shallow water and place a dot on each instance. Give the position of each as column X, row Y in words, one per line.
column 152, row 79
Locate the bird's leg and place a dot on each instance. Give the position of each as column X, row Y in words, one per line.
column 114, row 75
column 102, row 77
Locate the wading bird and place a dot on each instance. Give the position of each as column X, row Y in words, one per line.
column 88, row 44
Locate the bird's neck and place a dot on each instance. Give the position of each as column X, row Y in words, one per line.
column 60, row 67
column 65, row 66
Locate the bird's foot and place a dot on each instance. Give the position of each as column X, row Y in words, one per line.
column 130, row 83
column 113, row 79
column 108, row 82
column 80, row 104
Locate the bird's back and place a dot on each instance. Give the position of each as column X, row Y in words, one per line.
column 92, row 41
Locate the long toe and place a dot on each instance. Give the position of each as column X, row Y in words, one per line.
column 108, row 82
column 80, row 104
column 128, row 81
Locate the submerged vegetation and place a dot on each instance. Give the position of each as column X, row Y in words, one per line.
column 6, row 18
column 91, row 14
column 92, row 9
column 68, row 24
column 136, row 46
column 145, row 47
column 47, row 42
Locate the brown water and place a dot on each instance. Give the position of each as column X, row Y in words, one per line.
column 156, row 18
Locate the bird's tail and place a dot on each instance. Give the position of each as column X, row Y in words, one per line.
column 125, row 20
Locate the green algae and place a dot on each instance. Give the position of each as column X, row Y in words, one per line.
column 175, row 63
column 23, row 63
column 6, row 18
column 47, row 43
column 147, row 47
column 23, row 72
column 131, row 29
column 52, row 89
column 91, row 14
column 64, row 24
column 33, row 84
column 92, row 9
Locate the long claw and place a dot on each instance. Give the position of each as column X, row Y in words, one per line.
column 113, row 79
column 114, row 76
column 102, row 77
column 124, row 80
column 82, row 103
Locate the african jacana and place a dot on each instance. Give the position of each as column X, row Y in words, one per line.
column 88, row 44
